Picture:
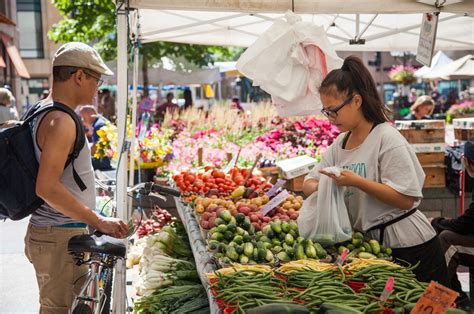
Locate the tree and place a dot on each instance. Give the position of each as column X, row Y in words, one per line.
column 94, row 21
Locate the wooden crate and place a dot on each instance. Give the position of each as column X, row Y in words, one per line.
column 295, row 184
column 463, row 134
column 430, row 158
column 424, row 136
column 435, row 176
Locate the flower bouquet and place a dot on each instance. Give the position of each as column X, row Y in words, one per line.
column 402, row 74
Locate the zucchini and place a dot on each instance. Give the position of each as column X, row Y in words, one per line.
column 374, row 244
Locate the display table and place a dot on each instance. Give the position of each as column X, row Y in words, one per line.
column 201, row 255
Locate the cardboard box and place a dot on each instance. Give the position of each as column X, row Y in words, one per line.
column 463, row 135
column 295, row 167
column 423, row 135
column 272, row 172
column 435, row 176
column 419, row 124
column 295, row 184
column 430, row 158
column 463, row 123
column 429, row 147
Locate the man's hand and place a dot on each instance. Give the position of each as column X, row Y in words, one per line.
column 113, row 226
column 347, row 178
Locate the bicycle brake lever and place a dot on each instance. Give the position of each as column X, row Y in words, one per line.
column 158, row 195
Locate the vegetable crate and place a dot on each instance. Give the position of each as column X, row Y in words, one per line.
column 430, row 158
column 463, row 129
column 423, row 136
column 435, row 176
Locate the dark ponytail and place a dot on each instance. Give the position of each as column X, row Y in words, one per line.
column 354, row 77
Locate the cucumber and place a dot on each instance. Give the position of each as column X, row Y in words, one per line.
column 293, row 225
column 300, row 252
column 320, row 251
column 217, row 236
column 269, row 256
column 367, row 247
column 277, row 249
column 248, row 249
column 240, row 218
column 282, row 256
column 220, row 221
column 356, row 242
column 246, row 238
column 285, row 227
column 238, row 239
column 310, row 250
column 243, row 259
column 358, row 235
column 278, row 308
column 232, row 227
column 289, row 239
column 374, row 244
column 366, row 255
column 276, row 226
column 276, row 241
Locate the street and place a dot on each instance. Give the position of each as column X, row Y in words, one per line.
column 18, row 287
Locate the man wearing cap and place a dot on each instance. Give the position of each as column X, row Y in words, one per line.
column 77, row 70
column 457, row 235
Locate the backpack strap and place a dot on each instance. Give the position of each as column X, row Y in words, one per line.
column 79, row 143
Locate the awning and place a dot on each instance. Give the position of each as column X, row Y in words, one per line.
column 15, row 56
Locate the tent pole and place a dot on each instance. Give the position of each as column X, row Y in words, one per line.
column 131, row 179
column 119, row 295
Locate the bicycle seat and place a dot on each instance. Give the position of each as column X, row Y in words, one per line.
column 97, row 244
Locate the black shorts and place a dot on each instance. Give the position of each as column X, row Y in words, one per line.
column 432, row 263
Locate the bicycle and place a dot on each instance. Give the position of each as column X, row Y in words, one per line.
column 101, row 252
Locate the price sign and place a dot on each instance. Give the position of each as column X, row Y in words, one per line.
column 231, row 164
column 436, row 299
column 274, row 202
column 275, row 187
column 427, row 40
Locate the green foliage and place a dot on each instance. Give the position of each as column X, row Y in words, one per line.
column 94, row 21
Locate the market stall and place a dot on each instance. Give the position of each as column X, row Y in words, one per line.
column 270, row 252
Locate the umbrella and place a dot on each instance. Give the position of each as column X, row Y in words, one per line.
column 459, row 69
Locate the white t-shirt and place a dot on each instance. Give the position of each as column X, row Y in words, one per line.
column 385, row 157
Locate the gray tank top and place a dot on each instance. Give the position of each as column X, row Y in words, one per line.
column 46, row 216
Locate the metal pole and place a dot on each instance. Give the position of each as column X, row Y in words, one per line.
column 119, row 294
column 131, row 179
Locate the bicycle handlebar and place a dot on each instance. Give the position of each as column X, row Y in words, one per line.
column 165, row 190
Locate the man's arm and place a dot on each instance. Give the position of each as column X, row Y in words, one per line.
column 56, row 135
column 463, row 224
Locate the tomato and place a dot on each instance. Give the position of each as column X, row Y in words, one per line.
column 220, row 181
column 218, row 174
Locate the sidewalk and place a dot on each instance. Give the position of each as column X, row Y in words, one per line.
column 18, row 287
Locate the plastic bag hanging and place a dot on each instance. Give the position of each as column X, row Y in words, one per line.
column 289, row 61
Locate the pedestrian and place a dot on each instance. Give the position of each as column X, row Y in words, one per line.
column 77, row 71
column 457, row 235
column 381, row 177
column 107, row 104
column 421, row 109
column 7, row 112
column 93, row 122
column 168, row 105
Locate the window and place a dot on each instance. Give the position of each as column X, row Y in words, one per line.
column 31, row 28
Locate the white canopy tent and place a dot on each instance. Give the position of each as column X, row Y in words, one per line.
column 440, row 59
column 462, row 68
column 384, row 25
column 389, row 25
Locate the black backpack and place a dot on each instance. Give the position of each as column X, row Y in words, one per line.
column 19, row 167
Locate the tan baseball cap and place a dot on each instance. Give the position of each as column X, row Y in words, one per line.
column 80, row 55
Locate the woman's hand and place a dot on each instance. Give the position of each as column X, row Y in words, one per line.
column 347, row 178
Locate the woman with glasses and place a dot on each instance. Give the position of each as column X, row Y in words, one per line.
column 381, row 177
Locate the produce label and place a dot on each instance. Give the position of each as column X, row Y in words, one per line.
column 232, row 163
column 275, row 188
column 341, row 259
column 388, row 289
column 274, row 202
column 435, row 300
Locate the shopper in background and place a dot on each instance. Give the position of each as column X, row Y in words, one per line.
column 381, row 177
column 168, row 105
column 106, row 104
column 188, row 99
column 7, row 111
column 421, row 109
column 457, row 234
column 93, row 122
column 235, row 104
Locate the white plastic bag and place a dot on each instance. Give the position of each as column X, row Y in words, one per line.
column 323, row 216
column 289, row 61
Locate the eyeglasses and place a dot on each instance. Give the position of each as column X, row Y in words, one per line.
column 98, row 79
column 332, row 113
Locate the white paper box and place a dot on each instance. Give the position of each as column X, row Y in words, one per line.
column 295, row 167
